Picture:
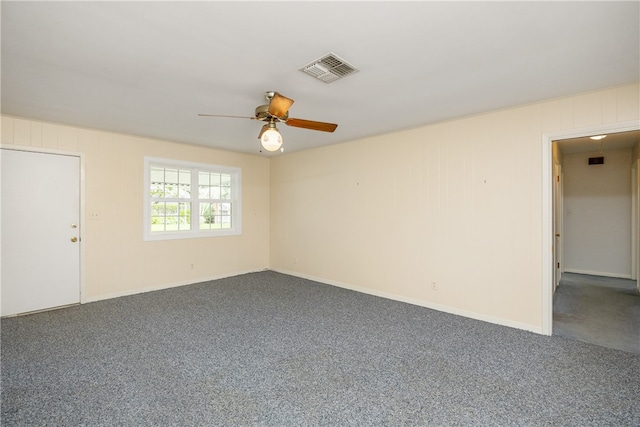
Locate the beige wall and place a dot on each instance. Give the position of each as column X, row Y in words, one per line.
column 116, row 259
column 456, row 206
column 597, row 214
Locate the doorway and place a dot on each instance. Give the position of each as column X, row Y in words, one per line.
column 549, row 262
column 40, row 231
column 598, row 239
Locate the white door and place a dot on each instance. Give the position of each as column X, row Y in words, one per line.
column 557, row 225
column 40, row 231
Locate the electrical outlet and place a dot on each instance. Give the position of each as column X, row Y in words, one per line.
column 434, row 286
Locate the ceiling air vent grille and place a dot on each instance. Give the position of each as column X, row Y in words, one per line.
column 329, row 68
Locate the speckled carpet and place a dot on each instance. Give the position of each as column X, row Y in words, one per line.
column 275, row 350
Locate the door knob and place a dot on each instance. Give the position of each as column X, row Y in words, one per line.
column 74, row 239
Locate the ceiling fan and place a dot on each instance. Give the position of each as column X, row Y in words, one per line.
column 277, row 111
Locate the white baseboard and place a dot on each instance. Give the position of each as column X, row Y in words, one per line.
column 421, row 303
column 164, row 286
column 597, row 273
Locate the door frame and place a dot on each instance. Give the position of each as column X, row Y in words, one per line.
column 635, row 196
column 635, row 221
column 83, row 293
column 548, row 207
column 558, row 266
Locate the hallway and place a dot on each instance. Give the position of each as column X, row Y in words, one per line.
column 598, row 310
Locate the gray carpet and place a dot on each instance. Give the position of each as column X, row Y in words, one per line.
column 275, row 350
column 598, row 310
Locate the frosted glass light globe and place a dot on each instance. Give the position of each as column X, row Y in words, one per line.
column 271, row 140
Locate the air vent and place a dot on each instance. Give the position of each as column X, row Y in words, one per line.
column 329, row 68
column 596, row 160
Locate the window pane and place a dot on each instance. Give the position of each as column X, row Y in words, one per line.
column 215, row 192
column 203, row 178
column 203, row 192
column 184, row 222
column 225, row 193
column 157, row 208
column 205, row 217
column 177, row 216
column 215, row 216
column 157, row 223
column 157, row 174
column 171, row 176
column 158, row 216
column 156, row 187
column 171, row 191
column 171, row 208
column 170, row 183
column 184, row 191
column 156, row 190
column 225, row 180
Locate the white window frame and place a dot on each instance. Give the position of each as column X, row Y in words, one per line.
column 194, row 232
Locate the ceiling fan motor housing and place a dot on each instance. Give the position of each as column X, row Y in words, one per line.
column 262, row 113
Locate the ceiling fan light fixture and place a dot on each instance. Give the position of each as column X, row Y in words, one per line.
column 277, row 111
column 271, row 139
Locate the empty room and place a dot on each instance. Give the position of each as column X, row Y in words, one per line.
column 313, row 213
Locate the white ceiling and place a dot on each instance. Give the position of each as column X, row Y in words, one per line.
column 149, row 68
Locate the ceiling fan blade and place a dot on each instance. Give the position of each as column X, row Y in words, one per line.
column 310, row 124
column 279, row 105
column 263, row 130
column 230, row 117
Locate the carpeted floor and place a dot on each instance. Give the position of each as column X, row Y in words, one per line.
column 275, row 350
column 598, row 310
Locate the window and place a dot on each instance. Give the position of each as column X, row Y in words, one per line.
column 185, row 200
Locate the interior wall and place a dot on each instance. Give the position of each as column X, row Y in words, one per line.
column 116, row 259
column 597, row 214
column 446, row 216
